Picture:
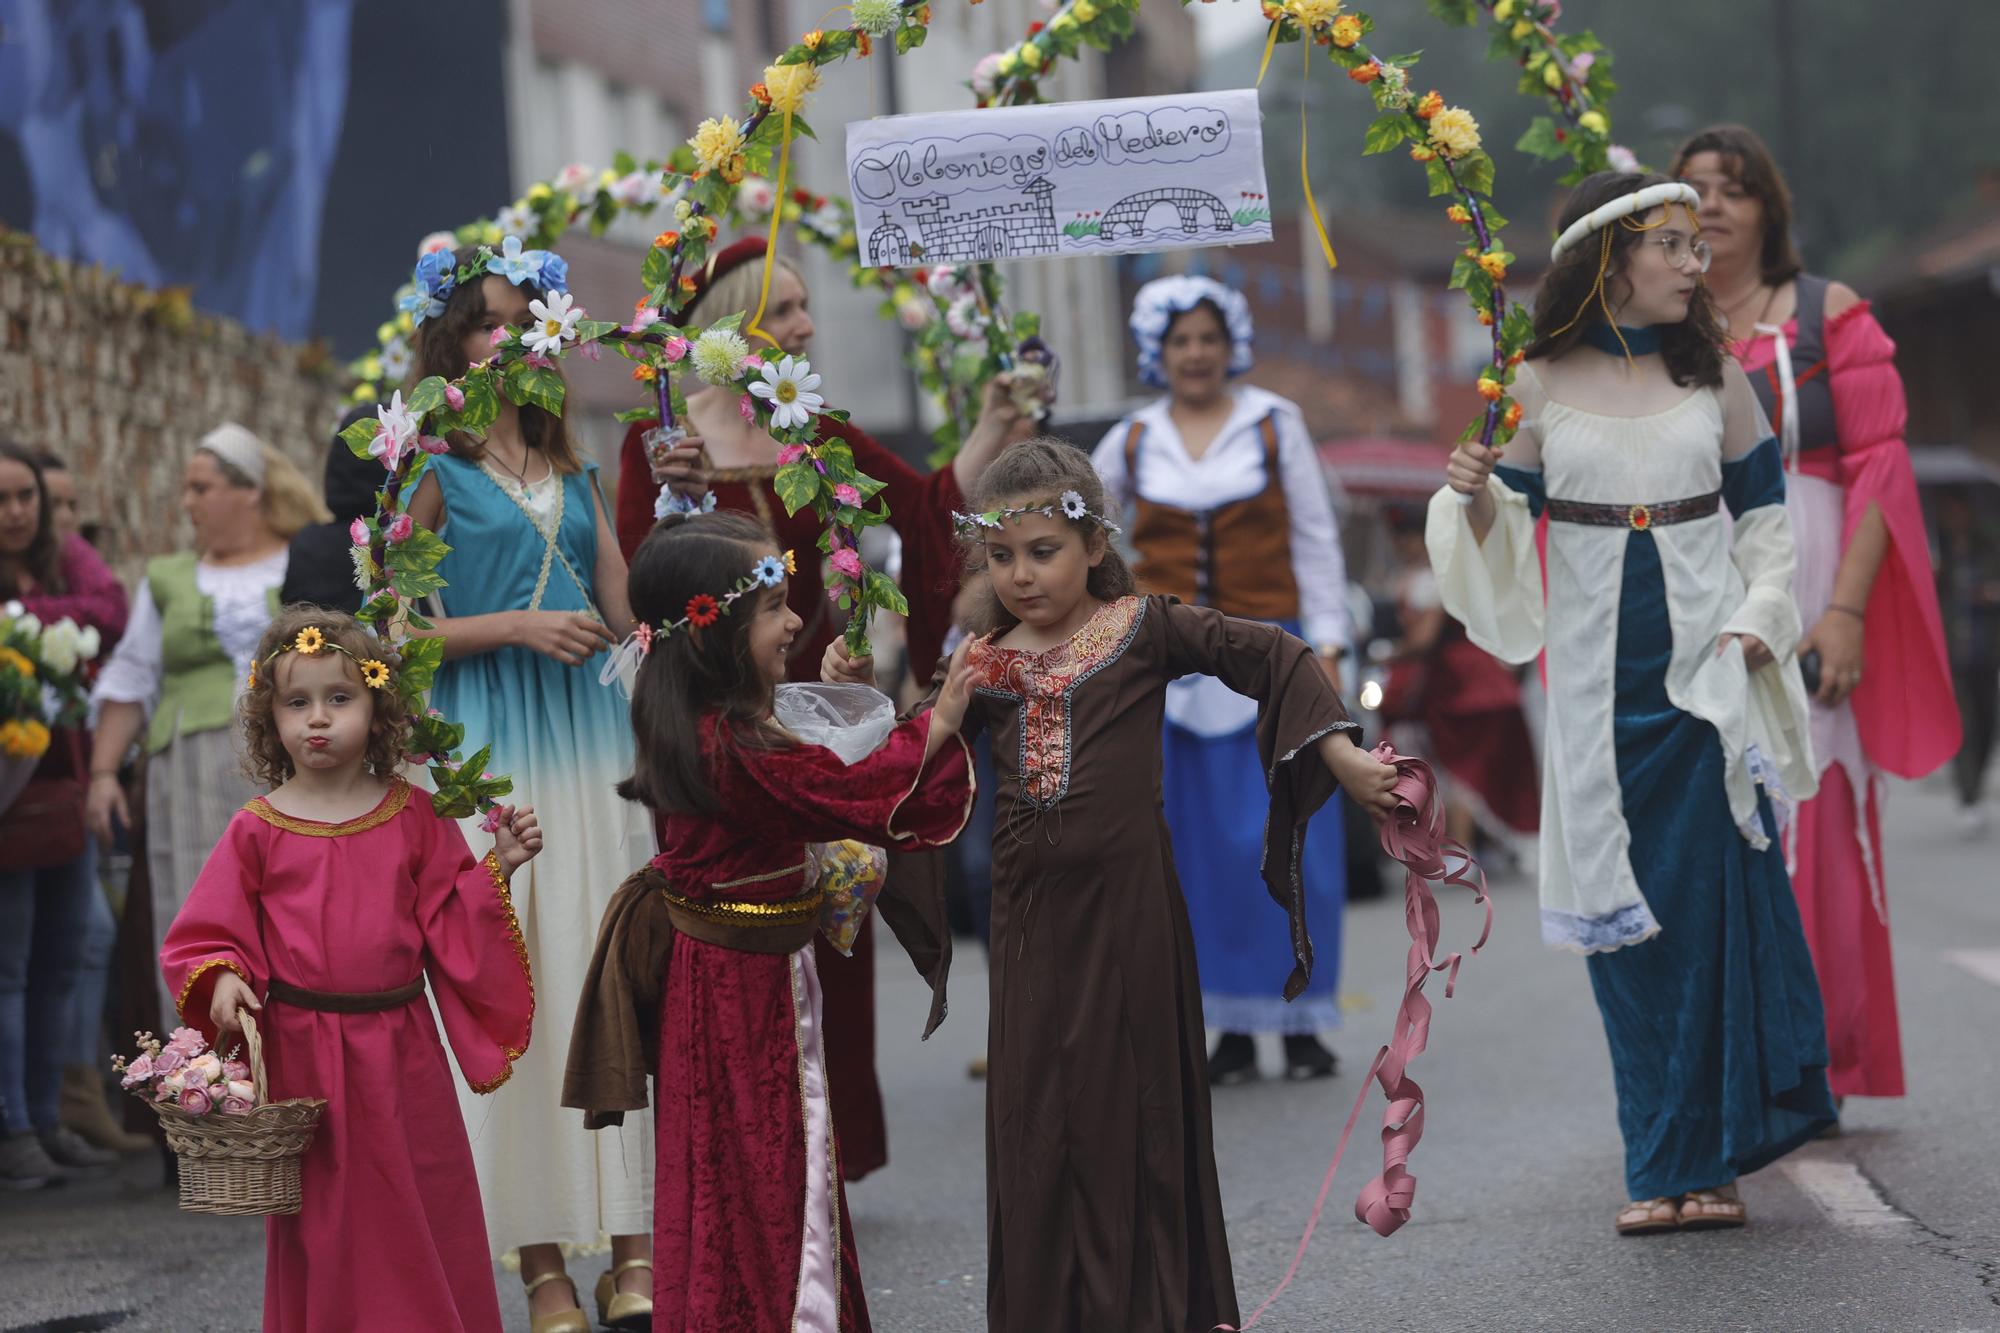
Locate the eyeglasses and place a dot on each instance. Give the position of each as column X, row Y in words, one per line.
column 1679, row 250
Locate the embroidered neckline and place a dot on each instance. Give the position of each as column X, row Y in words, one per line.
column 386, row 809
column 1043, row 683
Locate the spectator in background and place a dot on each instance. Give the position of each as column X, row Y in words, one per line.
column 1968, row 582
column 321, row 567
column 47, row 882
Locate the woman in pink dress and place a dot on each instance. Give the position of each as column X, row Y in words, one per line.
column 1882, row 697
column 334, row 898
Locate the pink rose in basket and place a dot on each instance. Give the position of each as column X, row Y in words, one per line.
column 235, row 1070
column 137, row 1072
column 187, row 1041
column 170, row 1087
column 237, row 1106
column 170, row 1060
column 196, row 1101
column 207, row 1067
column 237, row 1090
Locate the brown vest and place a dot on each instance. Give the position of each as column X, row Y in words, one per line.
column 1235, row 557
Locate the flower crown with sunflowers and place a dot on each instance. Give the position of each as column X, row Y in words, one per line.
column 312, row 640
column 439, row 273
column 1069, row 504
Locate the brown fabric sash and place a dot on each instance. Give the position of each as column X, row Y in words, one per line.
column 784, row 926
column 345, row 1002
column 1636, row 517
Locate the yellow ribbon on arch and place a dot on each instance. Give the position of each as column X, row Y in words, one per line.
column 1305, row 177
column 771, row 241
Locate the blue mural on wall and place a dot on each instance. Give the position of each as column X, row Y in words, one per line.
column 181, row 142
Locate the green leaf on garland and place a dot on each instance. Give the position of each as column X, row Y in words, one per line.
column 358, row 436
column 590, row 330
column 1540, row 140
column 1387, row 131
column 797, row 485
column 881, row 591
column 909, row 37
column 427, row 397
column 1476, row 173
column 658, row 268
column 421, row 659
column 1440, row 177
column 537, row 386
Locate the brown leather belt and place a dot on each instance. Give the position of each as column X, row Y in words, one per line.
column 345, row 1002
column 1637, row 517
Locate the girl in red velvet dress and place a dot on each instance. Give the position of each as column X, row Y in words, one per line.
column 335, row 898
column 750, row 1226
column 738, row 463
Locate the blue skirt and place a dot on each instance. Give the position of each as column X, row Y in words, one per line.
column 1718, row 1042
column 1217, row 805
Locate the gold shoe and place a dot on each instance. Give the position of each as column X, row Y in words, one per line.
column 625, row 1311
column 561, row 1321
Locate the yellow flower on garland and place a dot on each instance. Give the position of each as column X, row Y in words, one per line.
column 1084, row 10
column 715, row 141
column 1432, row 103
column 1595, row 122
column 666, row 240
column 540, row 193
column 1346, row 31
column 1419, row 153
column 1004, row 66
column 19, row 661
column 810, row 41
column 1490, row 390
column 1314, row 13
column 789, row 85
column 310, row 640
column 374, row 674
column 1458, row 214
column 1454, row 132
column 1504, row 10
column 791, row 563
column 1062, row 22
column 1031, row 55
column 1552, row 75
column 1495, row 267
column 1512, row 420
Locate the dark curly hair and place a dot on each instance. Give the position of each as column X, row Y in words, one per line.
column 1750, row 164
column 1028, row 475
column 1568, row 302
column 264, row 756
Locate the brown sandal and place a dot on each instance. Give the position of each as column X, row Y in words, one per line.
column 1647, row 1217
column 1712, row 1210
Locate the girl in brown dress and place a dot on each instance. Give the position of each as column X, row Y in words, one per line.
column 1103, row 1210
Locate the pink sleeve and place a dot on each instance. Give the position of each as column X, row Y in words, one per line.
column 1904, row 705
column 217, row 927
column 475, row 957
column 95, row 596
column 893, row 797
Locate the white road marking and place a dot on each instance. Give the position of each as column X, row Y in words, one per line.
column 1848, row 1198
column 1982, row 963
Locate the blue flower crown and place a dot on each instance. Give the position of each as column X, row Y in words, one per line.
column 439, row 273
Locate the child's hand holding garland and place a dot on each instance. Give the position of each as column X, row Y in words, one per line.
column 517, row 838
column 837, row 668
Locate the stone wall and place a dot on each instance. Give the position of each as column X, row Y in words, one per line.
column 122, row 380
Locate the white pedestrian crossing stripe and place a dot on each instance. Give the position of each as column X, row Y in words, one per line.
column 1849, row 1199
column 1982, row 963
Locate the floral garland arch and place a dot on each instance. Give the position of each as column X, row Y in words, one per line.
column 724, row 172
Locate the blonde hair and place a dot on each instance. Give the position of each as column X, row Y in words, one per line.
column 736, row 292
column 289, row 502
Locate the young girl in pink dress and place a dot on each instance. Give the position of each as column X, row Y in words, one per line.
column 333, row 899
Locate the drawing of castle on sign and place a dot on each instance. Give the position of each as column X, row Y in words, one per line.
column 1005, row 231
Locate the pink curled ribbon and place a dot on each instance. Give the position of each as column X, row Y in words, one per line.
column 1413, row 836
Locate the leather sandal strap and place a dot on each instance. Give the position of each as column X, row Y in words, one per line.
column 554, row 1275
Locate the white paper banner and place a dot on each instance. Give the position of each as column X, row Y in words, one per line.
column 1077, row 178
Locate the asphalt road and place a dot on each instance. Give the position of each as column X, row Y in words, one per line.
column 1894, row 1225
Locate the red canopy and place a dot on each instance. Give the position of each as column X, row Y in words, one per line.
column 1386, row 467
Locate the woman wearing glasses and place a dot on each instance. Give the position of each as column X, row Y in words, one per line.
column 1673, row 693
column 1874, row 643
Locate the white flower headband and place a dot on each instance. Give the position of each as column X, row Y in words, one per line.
column 702, row 610
column 1069, row 504
column 1154, row 308
column 1625, row 206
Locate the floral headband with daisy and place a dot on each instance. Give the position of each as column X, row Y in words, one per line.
column 438, row 274
column 311, row 640
column 702, row 610
column 1069, row 504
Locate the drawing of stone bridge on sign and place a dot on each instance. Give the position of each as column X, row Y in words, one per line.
column 1005, row 231
column 1130, row 212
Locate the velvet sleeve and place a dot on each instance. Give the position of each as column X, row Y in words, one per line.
column 1904, row 705
column 94, row 597
column 217, row 928
column 893, row 798
column 474, row 955
column 636, row 490
column 1297, row 706
column 920, row 509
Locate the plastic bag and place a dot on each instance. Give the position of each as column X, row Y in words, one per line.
column 852, row 874
column 851, row 720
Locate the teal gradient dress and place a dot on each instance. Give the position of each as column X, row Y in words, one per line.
column 565, row 740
